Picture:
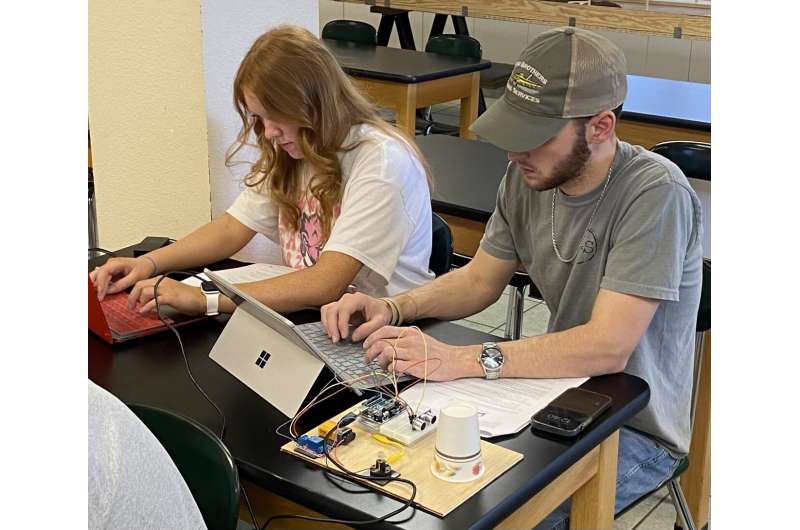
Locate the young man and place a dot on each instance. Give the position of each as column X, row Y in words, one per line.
column 609, row 232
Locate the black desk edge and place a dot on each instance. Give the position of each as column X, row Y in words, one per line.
column 581, row 447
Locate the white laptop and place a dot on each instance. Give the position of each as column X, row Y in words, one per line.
column 279, row 360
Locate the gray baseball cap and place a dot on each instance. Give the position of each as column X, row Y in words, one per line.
column 564, row 73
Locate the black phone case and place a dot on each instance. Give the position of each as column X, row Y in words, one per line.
column 566, row 422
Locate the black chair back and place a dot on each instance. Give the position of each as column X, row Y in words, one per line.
column 442, row 247
column 350, row 30
column 203, row 461
column 694, row 158
column 704, row 311
column 455, row 45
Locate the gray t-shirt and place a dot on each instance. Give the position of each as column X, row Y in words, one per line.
column 645, row 240
column 133, row 483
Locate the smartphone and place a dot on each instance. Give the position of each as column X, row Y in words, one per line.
column 571, row 412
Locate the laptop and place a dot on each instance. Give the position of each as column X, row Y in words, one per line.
column 279, row 360
column 112, row 321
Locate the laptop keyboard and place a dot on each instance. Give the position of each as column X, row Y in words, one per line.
column 345, row 358
column 124, row 321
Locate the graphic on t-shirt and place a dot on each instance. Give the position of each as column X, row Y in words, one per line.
column 301, row 248
column 588, row 247
column 310, row 238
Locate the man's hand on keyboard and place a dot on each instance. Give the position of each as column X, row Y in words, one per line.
column 445, row 362
column 183, row 298
column 336, row 316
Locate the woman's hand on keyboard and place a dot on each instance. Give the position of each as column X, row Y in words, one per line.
column 117, row 274
column 183, row 298
column 336, row 316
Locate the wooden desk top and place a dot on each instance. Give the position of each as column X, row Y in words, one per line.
column 398, row 65
column 151, row 371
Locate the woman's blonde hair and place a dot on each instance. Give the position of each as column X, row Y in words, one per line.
column 298, row 81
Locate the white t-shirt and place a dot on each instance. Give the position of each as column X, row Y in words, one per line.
column 383, row 221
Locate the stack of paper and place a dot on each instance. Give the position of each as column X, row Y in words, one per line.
column 246, row 274
column 505, row 406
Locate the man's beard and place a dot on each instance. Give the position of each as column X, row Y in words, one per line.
column 571, row 166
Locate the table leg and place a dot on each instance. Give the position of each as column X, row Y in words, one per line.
column 696, row 482
column 469, row 107
column 406, row 117
column 593, row 503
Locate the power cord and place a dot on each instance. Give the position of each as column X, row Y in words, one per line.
column 351, row 475
column 103, row 251
column 194, row 381
column 180, row 343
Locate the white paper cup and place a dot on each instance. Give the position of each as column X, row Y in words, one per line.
column 457, row 454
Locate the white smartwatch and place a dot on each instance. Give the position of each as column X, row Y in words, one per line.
column 491, row 360
column 211, row 292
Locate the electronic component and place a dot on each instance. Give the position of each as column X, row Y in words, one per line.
column 378, row 410
column 315, row 444
column 381, row 468
column 409, row 431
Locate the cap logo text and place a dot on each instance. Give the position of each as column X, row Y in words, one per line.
column 526, row 82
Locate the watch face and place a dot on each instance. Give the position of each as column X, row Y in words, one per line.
column 492, row 358
column 209, row 287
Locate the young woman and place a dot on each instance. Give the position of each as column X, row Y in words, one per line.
column 342, row 192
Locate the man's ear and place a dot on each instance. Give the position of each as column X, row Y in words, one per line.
column 601, row 127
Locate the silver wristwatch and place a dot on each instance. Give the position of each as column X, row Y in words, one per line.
column 491, row 359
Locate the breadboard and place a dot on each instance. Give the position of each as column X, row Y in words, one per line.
column 434, row 495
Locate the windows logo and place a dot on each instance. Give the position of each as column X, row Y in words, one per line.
column 262, row 359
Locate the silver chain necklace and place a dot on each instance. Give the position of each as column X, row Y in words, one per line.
column 588, row 225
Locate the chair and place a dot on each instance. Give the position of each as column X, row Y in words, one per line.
column 202, row 459
column 454, row 46
column 442, row 247
column 521, row 282
column 694, row 158
column 350, row 30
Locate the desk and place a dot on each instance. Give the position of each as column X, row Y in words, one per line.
column 406, row 80
column 659, row 110
column 151, row 371
column 466, row 175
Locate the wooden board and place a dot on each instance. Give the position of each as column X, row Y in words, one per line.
column 435, row 495
column 590, row 17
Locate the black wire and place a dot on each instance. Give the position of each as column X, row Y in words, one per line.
column 183, row 352
column 104, row 251
column 351, row 475
column 249, row 507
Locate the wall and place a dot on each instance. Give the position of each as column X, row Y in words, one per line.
column 223, row 50
column 147, row 119
column 503, row 41
column 160, row 108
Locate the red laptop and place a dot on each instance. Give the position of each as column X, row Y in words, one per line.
column 113, row 322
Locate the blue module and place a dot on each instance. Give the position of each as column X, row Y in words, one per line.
column 313, row 443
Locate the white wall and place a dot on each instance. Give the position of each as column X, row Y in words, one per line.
column 503, row 41
column 160, row 107
column 229, row 28
column 147, row 119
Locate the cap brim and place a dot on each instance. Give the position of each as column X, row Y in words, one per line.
column 514, row 130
